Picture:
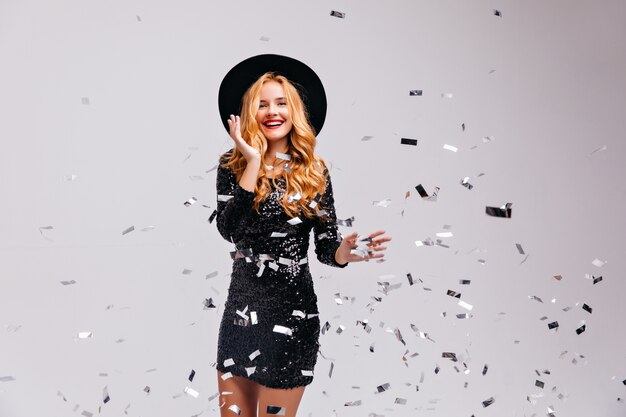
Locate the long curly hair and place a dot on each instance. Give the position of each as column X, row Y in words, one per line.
column 307, row 175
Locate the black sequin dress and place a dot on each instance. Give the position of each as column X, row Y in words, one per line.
column 270, row 326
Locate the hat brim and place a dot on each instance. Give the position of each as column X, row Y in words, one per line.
column 244, row 74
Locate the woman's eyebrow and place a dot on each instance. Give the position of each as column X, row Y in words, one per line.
column 279, row 98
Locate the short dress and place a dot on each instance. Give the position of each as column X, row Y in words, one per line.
column 269, row 332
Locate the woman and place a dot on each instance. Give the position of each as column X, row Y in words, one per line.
column 272, row 191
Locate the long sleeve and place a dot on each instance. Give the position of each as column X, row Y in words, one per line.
column 327, row 236
column 234, row 205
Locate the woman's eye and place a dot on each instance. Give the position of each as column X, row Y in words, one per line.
column 262, row 105
column 283, row 104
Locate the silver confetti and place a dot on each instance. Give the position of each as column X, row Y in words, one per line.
column 335, row 13
column 192, row 392
column 415, row 92
column 275, row 410
column 488, row 402
column 235, row 409
column 465, row 183
column 130, row 229
column 190, row 202
column 597, row 262
column 450, row 148
column 105, row 395
column 254, row 354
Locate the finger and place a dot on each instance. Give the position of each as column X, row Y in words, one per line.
column 376, row 233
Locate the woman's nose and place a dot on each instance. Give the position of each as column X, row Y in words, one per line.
column 272, row 109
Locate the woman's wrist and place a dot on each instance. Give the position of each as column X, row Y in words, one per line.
column 339, row 259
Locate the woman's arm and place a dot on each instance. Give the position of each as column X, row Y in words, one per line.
column 326, row 234
column 235, row 200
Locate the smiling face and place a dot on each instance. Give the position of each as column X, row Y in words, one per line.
column 273, row 114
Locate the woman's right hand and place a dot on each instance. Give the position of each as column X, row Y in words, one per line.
column 248, row 152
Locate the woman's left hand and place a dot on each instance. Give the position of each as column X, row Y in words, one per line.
column 349, row 242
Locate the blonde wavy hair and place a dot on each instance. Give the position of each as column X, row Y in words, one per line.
column 307, row 174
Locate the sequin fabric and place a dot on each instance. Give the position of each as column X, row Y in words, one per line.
column 270, row 328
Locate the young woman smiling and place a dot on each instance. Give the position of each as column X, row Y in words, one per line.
column 272, row 191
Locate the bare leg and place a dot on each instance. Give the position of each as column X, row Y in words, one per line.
column 244, row 395
column 287, row 398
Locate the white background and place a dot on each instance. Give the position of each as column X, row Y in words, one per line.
column 545, row 81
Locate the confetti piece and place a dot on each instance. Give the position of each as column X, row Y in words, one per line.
column 383, row 203
column 465, row 183
column 422, row 192
column 407, row 141
column 465, row 281
column 275, row 410
column 227, row 375
column 485, row 368
column 335, row 13
column 503, row 211
column 581, row 327
column 264, row 38
column 306, row 372
column 553, row 325
column 68, row 282
column 465, row 305
column 130, row 229
column 415, row 92
column 596, row 280
column 446, row 95
column 254, row 354
column 453, row 294
column 84, row 100
column 384, row 387
column 190, row 202
column 352, row 403
column 597, row 262
column 445, row 234
column 85, row 335
column 450, row 148
column 539, row 383
column 105, row 395
column 7, row 378
column 295, row 220
column 600, row 149
column 488, row 402
column 70, row 177
column 558, row 277
column 208, row 303
column 401, row 401
column 520, row 249
column 587, row 308
column 366, row 138
column 235, row 409
column 497, row 12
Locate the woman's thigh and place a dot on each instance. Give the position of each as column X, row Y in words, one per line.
column 275, row 399
column 244, row 396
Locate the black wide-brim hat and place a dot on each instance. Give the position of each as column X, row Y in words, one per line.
column 244, row 74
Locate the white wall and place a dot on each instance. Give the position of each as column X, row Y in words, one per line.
column 545, row 81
